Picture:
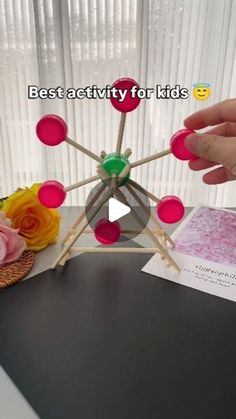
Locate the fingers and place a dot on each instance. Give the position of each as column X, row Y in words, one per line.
column 227, row 129
column 201, row 164
column 221, row 112
column 214, row 148
column 219, row 175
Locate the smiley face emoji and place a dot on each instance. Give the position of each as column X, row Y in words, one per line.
column 201, row 91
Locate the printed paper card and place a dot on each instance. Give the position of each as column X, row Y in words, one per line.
column 205, row 250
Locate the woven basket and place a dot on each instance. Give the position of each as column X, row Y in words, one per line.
column 13, row 272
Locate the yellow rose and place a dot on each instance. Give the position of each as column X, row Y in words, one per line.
column 37, row 224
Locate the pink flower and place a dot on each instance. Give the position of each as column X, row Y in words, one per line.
column 11, row 244
column 4, row 219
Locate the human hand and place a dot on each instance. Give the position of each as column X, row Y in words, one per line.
column 218, row 145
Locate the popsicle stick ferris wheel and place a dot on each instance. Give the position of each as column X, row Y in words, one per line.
column 114, row 173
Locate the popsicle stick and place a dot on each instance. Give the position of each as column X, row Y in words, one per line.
column 103, row 174
column 163, row 251
column 130, row 231
column 64, row 260
column 140, row 202
column 150, row 158
column 83, row 214
column 113, row 185
column 139, row 220
column 103, row 154
column 123, row 173
column 143, row 190
column 81, row 229
column 127, row 153
column 83, row 182
column 82, row 149
column 120, row 133
column 115, row 249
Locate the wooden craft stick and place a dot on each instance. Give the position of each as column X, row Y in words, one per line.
column 164, row 253
column 127, row 153
column 83, row 182
column 64, row 260
column 103, row 174
column 103, row 154
column 138, row 218
column 144, row 191
column 82, row 149
column 150, row 158
column 113, row 185
column 129, row 231
column 120, row 133
column 82, row 215
column 162, row 232
column 115, row 249
column 140, row 202
column 123, row 173
column 81, row 229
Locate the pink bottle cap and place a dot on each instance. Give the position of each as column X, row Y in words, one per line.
column 51, row 194
column 170, row 209
column 178, row 147
column 129, row 103
column 107, row 232
column 51, row 130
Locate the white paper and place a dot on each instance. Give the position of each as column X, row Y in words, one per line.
column 12, row 404
column 201, row 273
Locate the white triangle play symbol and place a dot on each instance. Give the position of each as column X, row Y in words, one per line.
column 116, row 209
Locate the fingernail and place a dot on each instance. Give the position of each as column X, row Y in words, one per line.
column 190, row 142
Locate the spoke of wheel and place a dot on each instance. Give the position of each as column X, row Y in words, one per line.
column 120, row 133
column 82, row 149
column 82, row 183
column 143, row 190
column 150, row 158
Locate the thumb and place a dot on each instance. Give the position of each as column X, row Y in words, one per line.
column 221, row 150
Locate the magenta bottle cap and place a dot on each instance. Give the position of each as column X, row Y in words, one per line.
column 51, row 194
column 107, row 232
column 129, row 103
column 178, row 147
column 170, row 209
column 51, row 130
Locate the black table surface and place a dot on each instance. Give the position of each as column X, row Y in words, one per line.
column 98, row 338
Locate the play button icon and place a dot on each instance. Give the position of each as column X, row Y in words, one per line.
column 116, row 209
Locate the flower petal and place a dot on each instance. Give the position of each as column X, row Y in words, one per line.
column 3, row 247
column 19, row 249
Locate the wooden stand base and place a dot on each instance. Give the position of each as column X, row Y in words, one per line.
column 158, row 235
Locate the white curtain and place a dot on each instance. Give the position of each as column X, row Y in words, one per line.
column 76, row 43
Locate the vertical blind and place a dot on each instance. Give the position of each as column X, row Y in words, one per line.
column 77, row 43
